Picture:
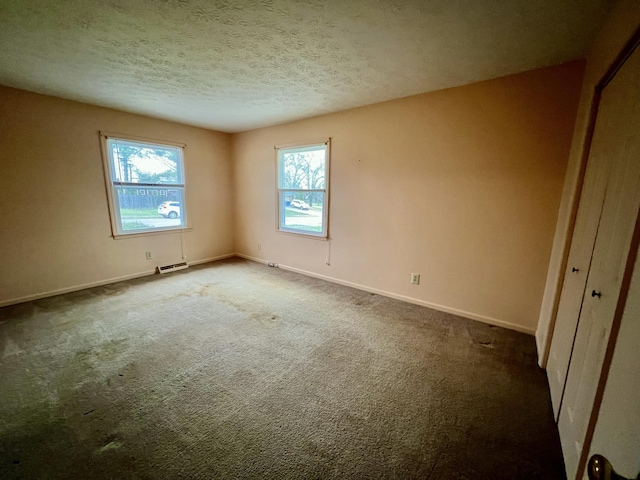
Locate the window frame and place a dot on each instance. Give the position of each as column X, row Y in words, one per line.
column 112, row 184
column 280, row 191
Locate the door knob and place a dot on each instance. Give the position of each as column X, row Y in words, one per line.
column 600, row 469
column 575, row 270
column 596, row 294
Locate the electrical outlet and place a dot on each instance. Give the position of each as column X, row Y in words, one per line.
column 259, row 246
column 149, row 256
column 415, row 278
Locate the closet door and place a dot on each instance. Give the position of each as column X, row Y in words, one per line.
column 619, row 143
column 575, row 278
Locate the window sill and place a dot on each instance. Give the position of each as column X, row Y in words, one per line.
column 303, row 235
column 122, row 236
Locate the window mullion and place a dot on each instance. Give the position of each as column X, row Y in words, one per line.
column 155, row 185
column 319, row 190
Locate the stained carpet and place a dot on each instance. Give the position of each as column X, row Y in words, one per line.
column 237, row 370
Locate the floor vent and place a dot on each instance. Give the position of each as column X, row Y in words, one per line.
column 172, row 267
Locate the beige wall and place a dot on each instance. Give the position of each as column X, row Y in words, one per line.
column 55, row 231
column 623, row 21
column 461, row 186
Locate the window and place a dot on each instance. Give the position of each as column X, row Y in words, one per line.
column 146, row 185
column 303, row 189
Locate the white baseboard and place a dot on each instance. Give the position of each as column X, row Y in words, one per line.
column 212, row 259
column 416, row 301
column 253, row 259
column 540, row 348
column 99, row 283
column 75, row 288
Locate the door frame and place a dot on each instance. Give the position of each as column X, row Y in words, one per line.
column 625, row 53
column 622, row 57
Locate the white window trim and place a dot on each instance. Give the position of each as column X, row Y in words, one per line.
column 116, row 229
column 324, row 234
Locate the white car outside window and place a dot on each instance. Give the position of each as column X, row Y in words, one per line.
column 169, row 209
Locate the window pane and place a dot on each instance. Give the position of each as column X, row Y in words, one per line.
column 302, row 168
column 149, row 207
column 145, row 163
column 303, row 211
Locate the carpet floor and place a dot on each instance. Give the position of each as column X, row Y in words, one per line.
column 237, row 370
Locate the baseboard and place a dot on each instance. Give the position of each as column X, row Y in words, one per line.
column 253, row 259
column 542, row 357
column 212, row 259
column 100, row 283
column 415, row 301
column 75, row 288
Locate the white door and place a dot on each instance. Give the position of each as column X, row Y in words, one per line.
column 617, row 431
column 578, row 264
column 619, row 140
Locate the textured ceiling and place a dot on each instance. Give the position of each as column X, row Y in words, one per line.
column 233, row 65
